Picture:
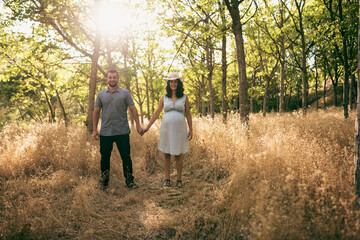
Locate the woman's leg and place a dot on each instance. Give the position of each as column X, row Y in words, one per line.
column 179, row 165
column 167, row 165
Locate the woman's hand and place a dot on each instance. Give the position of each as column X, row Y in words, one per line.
column 190, row 134
column 146, row 129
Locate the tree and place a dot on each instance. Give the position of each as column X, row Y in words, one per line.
column 93, row 73
column 33, row 64
column 67, row 20
column 279, row 40
column 224, row 30
column 298, row 20
column 357, row 124
column 233, row 8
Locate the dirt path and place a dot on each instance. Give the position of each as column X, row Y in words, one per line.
column 150, row 211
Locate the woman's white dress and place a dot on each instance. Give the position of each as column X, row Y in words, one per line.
column 173, row 131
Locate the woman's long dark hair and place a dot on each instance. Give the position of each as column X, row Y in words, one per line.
column 179, row 90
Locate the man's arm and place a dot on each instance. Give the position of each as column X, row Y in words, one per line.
column 96, row 115
column 135, row 115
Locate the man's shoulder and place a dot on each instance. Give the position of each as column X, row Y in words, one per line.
column 123, row 90
column 103, row 91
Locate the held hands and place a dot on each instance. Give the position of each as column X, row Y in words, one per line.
column 140, row 130
column 144, row 130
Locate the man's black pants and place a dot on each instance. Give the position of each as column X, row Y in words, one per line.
column 123, row 145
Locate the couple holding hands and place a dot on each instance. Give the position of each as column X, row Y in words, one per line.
column 113, row 103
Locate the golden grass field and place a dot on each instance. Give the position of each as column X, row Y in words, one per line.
column 288, row 177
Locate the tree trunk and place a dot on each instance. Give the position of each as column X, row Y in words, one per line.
column 224, row 109
column 152, row 94
column 139, row 98
column 224, row 76
column 252, row 92
column 147, row 98
column 266, row 93
column 62, row 108
column 108, row 53
column 357, row 125
column 324, row 89
column 345, row 63
column 52, row 110
column 316, row 85
column 282, row 60
column 304, row 74
column 203, row 111
column 203, row 90
column 352, row 92
column 240, row 54
column 93, row 74
column 127, row 77
column 209, row 62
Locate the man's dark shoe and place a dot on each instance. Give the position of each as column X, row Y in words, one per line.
column 131, row 184
column 104, row 180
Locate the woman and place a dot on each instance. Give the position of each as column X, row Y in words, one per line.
column 174, row 136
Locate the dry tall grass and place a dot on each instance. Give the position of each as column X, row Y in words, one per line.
column 288, row 177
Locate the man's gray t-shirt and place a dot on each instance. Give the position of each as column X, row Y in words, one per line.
column 114, row 107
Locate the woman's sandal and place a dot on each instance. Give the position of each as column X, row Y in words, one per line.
column 167, row 183
column 178, row 184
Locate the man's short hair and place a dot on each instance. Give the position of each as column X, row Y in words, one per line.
column 112, row 71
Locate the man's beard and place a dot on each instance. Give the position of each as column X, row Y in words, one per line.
column 112, row 84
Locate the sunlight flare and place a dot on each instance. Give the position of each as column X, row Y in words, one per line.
column 116, row 17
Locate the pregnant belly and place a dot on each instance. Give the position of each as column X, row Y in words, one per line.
column 173, row 117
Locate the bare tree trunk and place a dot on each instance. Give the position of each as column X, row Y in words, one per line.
column 62, row 107
column 127, row 83
column 203, row 112
column 346, row 63
column 304, row 74
column 52, row 110
column 266, row 93
column 198, row 97
column 252, row 92
column 223, row 64
column 224, row 76
column 282, row 80
column 152, row 94
column 147, row 98
column 209, row 63
column 324, row 89
column 351, row 92
column 203, row 90
column 240, row 53
column 93, row 74
column 108, row 53
column 357, row 125
column 282, row 60
column 316, row 85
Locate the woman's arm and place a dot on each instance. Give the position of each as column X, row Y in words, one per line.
column 156, row 114
column 188, row 117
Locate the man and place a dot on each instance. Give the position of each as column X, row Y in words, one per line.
column 114, row 102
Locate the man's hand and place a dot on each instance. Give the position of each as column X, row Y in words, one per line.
column 140, row 130
column 95, row 135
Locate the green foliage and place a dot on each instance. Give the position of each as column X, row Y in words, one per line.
column 49, row 63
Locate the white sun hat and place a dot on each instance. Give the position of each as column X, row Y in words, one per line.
column 173, row 76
